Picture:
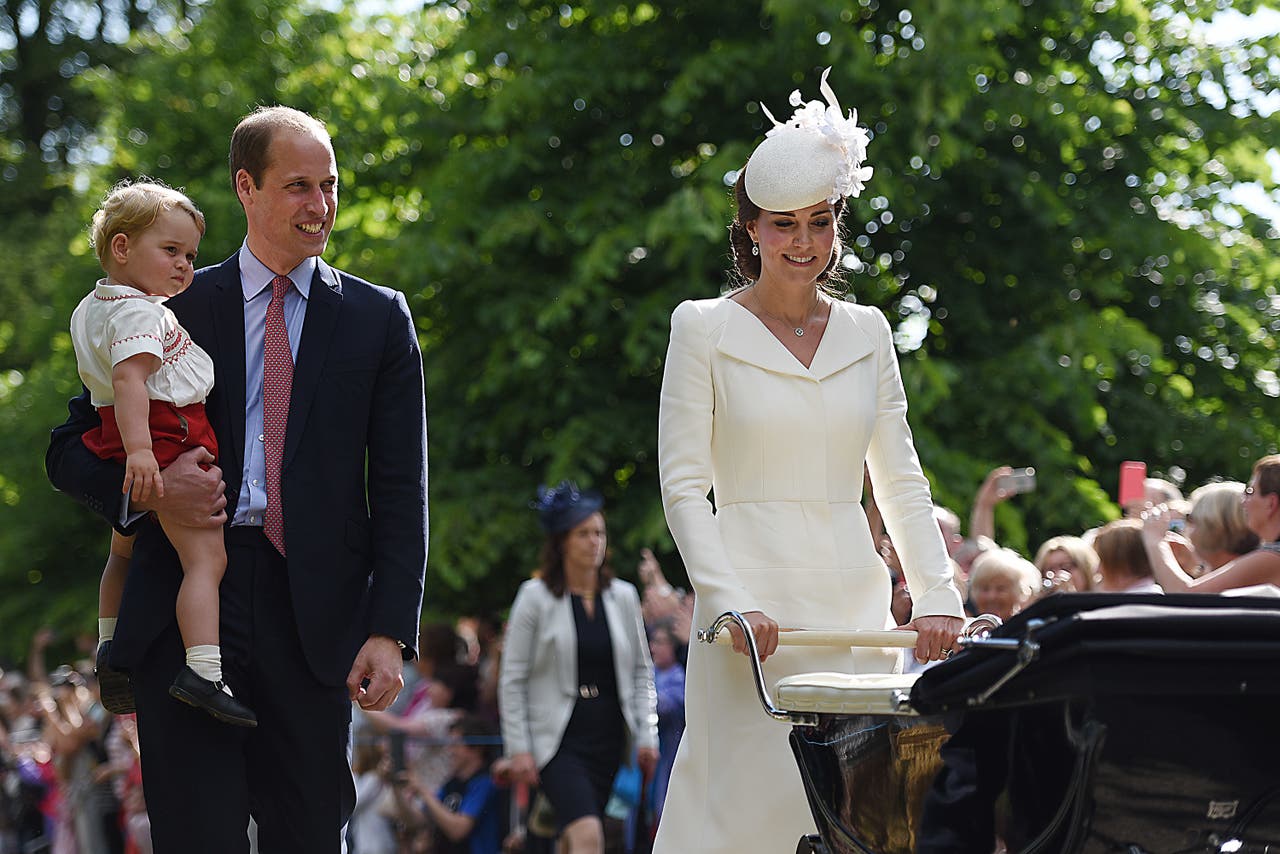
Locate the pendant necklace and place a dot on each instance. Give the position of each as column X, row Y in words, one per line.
column 798, row 330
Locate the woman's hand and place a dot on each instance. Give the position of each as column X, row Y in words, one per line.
column 990, row 493
column 523, row 769
column 763, row 629
column 936, row 636
column 1057, row 581
column 1155, row 524
column 647, row 759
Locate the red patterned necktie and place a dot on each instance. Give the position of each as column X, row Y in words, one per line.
column 277, row 384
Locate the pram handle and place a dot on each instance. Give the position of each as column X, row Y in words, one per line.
column 884, row 639
column 819, row 637
column 715, row 633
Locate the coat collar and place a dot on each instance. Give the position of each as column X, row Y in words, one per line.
column 744, row 338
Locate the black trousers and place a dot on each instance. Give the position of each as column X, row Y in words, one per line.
column 203, row 779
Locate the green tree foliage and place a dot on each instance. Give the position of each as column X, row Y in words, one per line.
column 1055, row 229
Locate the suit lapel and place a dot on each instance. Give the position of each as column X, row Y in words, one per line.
column 229, row 367
column 322, row 317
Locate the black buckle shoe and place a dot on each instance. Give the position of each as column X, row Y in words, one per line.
column 194, row 690
column 114, row 686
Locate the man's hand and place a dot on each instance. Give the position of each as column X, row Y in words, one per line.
column 377, row 675
column 194, row 496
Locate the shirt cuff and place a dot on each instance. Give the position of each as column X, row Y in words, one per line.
column 128, row 517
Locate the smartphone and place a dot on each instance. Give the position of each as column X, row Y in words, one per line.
column 1022, row 480
column 1133, row 476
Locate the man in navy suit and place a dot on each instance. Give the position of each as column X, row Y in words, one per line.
column 323, row 613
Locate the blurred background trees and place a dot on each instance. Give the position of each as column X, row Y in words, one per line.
column 1068, row 227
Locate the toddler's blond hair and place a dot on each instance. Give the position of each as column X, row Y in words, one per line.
column 131, row 208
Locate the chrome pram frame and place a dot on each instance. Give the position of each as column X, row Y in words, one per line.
column 1146, row 769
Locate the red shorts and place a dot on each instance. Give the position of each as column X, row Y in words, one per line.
column 174, row 431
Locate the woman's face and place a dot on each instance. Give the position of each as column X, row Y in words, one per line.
column 440, row 693
column 1257, row 508
column 1058, row 562
column 795, row 246
column 585, row 543
column 997, row 594
column 1193, row 533
column 663, row 650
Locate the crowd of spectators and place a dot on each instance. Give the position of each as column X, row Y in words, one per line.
column 429, row 773
column 1223, row 538
column 70, row 777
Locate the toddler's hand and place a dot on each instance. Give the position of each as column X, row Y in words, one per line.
column 141, row 475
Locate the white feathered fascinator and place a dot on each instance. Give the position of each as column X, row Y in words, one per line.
column 817, row 154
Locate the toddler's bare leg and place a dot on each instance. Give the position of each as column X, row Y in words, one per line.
column 203, row 554
column 111, row 588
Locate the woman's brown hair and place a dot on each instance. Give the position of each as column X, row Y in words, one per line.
column 1266, row 475
column 747, row 264
column 1121, row 551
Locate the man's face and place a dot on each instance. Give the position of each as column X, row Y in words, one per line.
column 291, row 214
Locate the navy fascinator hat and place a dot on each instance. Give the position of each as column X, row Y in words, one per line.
column 564, row 506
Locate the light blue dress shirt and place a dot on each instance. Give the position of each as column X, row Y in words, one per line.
column 255, row 278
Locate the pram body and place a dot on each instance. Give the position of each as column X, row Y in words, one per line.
column 1089, row 723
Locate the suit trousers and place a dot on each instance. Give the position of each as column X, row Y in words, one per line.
column 203, row 779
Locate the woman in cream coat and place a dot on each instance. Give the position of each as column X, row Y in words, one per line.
column 576, row 683
column 775, row 396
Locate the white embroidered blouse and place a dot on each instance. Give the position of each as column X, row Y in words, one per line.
column 115, row 322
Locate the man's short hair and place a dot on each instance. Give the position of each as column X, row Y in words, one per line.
column 251, row 140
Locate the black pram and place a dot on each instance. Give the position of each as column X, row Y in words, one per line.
column 1088, row 723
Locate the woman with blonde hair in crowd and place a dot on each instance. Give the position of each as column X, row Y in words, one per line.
column 1123, row 566
column 1217, row 531
column 1067, row 564
column 1002, row 582
column 1260, row 503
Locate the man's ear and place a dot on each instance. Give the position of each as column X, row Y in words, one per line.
column 120, row 247
column 244, row 186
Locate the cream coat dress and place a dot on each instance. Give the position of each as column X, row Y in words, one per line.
column 783, row 447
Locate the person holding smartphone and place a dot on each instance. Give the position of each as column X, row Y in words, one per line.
column 1000, row 484
column 1261, row 503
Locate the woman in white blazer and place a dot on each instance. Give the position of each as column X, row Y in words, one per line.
column 775, row 396
column 576, row 685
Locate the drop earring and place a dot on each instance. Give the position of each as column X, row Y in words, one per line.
column 755, row 248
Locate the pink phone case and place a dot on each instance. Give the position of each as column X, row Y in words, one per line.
column 1132, row 486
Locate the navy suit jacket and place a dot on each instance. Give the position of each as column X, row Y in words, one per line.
column 353, row 476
